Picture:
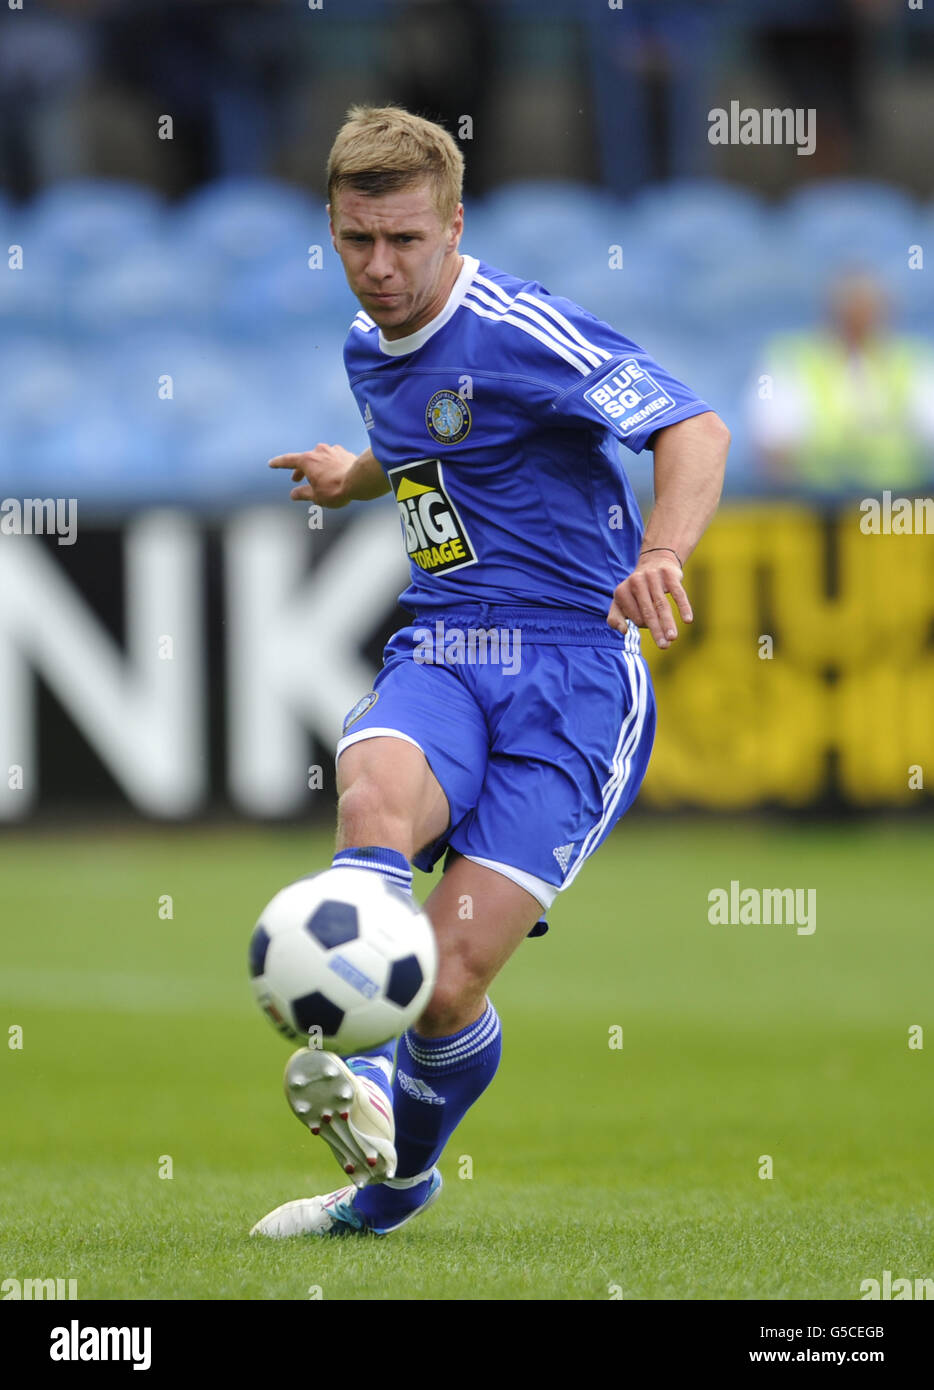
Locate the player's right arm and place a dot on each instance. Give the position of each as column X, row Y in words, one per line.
column 332, row 476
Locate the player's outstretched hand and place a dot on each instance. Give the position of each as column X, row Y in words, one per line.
column 642, row 598
column 322, row 473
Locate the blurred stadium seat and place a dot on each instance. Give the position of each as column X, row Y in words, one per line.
column 909, row 283
column 847, row 222
column 746, row 300
column 92, row 221
column 98, row 454
column 40, row 382
column 30, row 298
column 541, row 229
column 227, row 460
column 251, row 220
column 206, row 375
column 285, row 293
column 699, row 222
column 156, row 281
column 641, row 298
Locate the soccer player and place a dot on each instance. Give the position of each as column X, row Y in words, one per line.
column 495, row 410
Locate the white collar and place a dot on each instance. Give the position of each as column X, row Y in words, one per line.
column 399, row 347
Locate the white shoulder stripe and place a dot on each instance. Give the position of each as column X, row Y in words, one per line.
column 483, row 298
column 566, row 324
column 501, row 316
column 491, row 285
column 541, row 304
column 363, row 322
column 565, row 333
column 590, row 355
column 513, row 306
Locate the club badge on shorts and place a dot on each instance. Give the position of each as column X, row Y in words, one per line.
column 360, row 708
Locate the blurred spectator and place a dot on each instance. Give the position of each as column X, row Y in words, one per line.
column 437, row 63
column 653, row 71
column 849, row 404
column 47, row 60
column 818, row 53
column 83, row 84
column 219, row 69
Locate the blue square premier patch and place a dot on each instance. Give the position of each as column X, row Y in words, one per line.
column 628, row 397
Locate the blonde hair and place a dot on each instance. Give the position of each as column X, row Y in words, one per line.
column 381, row 149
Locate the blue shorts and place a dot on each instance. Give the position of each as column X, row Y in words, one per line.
column 537, row 723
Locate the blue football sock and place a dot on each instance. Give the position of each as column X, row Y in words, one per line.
column 391, row 865
column 437, row 1081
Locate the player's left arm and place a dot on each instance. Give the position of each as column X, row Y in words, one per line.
column 690, row 459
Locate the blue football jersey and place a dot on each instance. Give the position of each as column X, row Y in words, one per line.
column 498, row 426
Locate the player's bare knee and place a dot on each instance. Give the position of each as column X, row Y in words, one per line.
column 365, row 816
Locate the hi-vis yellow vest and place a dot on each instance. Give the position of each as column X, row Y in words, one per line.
column 862, row 425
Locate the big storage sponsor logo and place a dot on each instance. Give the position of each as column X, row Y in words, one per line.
column 435, row 537
column 627, row 397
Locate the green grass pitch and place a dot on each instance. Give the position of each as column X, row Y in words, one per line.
column 597, row 1172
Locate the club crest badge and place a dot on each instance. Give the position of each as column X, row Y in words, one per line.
column 447, row 417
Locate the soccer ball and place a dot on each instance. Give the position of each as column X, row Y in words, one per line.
column 344, row 957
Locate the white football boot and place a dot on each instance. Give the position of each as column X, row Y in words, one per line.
column 334, row 1215
column 350, row 1112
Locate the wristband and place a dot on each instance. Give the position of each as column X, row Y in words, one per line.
column 649, row 548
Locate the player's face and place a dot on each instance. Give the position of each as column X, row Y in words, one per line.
column 400, row 260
